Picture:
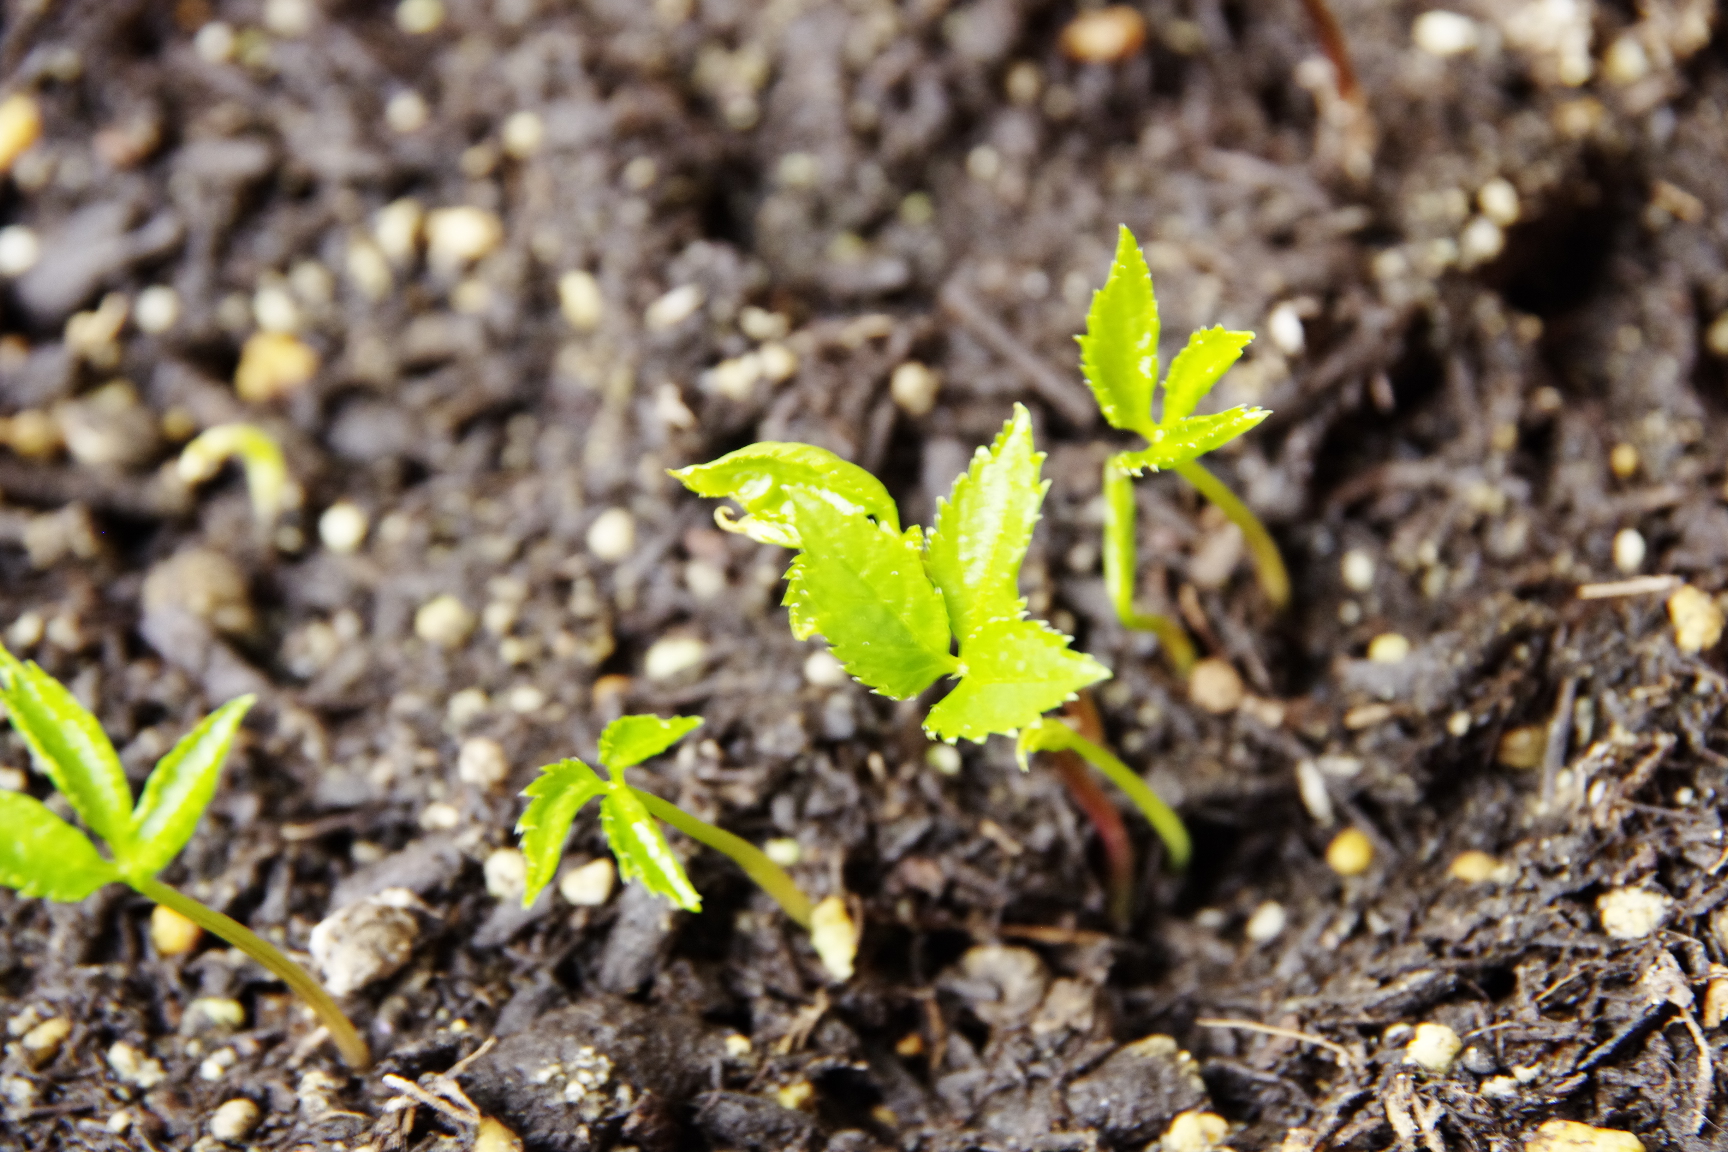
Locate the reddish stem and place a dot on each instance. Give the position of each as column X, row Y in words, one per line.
column 1331, row 38
column 1091, row 799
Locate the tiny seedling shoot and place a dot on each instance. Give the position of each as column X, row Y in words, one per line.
column 628, row 820
column 1119, row 355
column 901, row 609
column 43, row 855
column 267, row 483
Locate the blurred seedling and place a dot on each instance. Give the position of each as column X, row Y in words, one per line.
column 267, row 483
column 901, row 609
column 43, row 855
column 1119, row 355
column 630, row 820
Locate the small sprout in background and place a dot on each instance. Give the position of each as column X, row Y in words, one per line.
column 43, row 855
column 630, row 820
column 1119, row 356
column 267, row 482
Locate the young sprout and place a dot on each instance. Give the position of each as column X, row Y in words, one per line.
column 267, row 482
column 628, row 818
column 1119, row 355
column 902, row 609
column 43, row 855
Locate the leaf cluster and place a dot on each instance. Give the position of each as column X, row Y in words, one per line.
column 902, row 608
column 563, row 788
column 1119, row 356
column 43, row 855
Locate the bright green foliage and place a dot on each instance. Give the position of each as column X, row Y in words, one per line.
column 635, row 836
column 44, row 855
column 1209, row 354
column 892, row 604
column 761, row 476
column 1054, row 736
column 863, row 587
column 1200, row 434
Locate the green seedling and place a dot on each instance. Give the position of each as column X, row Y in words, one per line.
column 43, row 855
column 629, row 820
column 1119, row 355
column 267, row 483
column 901, row 609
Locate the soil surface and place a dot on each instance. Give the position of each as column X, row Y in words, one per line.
column 1489, row 330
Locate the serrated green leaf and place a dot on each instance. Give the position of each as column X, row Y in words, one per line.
column 1209, row 354
column 1190, row 439
column 555, row 796
column 759, row 477
column 984, row 528
column 1014, row 672
column 42, row 855
column 1119, row 352
column 863, row 586
column 69, row 747
column 796, row 601
column 629, row 740
column 642, row 851
column 179, row 789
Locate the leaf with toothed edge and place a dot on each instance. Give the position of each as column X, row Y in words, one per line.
column 1014, row 672
column 1190, row 439
column 1209, row 354
column 1119, row 351
column 642, row 851
column 42, row 855
column 760, row 476
column 555, row 797
column 629, row 740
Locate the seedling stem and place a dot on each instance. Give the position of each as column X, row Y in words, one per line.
column 1268, row 563
column 769, row 876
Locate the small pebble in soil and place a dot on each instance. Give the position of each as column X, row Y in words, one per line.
column 234, row 1120
column 204, row 583
column 157, row 309
column 1356, row 569
column 705, row 580
column 1350, row 853
column 834, row 937
column 823, row 670
column 943, row 758
column 1194, row 1131
column 1475, row 867
column 672, row 309
column 397, row 229
column 444, row 621
column 1623, row 461
column 1629, row 550
column 1572, row 1136
column 1441, row 33
column 1716, row 336
column 1697, row 619
column 778, row 362
column 738, row 1045
column 19, row 250
column 612, row 536
column 1498, row 200
column 1433, row 1047
column 418, row 17
column 465, row 707
column 783, row 850
column 1104, row 35
column 135, row 1068
column 1480, row 242
column 580, row 301
column 172, row 933
column 343, row 526
column 108, row 428
column 440, row 816
column 522, row 134
column 1716, row 997
column 273, row 365
column 797, row 1095
column 506, row 872
column 406, row 112
column 1267, row 922
column 1284, row 329
column 20, row 127
column 222, row 1012
column 1632, row 913
column 1389, row 648
column 1312, row 790
column 456, row 237
column 42, row 1042
column 761, row 324
column 1215, row 686
column 214, row 42
column 588, row 885
column 480, row 761
column 366, row 941
column 672, row 656
column 1523, row 748
column 1458, row 724
column 493, row 1136
column 913, row 387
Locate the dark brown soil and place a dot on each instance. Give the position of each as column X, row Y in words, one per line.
column 932, row 181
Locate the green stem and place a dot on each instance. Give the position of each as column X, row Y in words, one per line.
column 1051, row 736
column 1268, row 564
column 348, row 1041
column 769, row 876
column 1119, row 568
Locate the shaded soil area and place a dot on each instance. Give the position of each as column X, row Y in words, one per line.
column 1495, row 349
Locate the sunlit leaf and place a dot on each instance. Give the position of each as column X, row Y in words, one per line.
column 1119, row 352
column 1014, row 671
column 863, row 586
column 642, row 851
column 629, row 740
column 555, row 796
column 1209, row 354
column 984, row 527
column 1191, row 439
column 179, row 789
column 760, row 477
column 797, row 601
column 42, row 855
column 69, row 747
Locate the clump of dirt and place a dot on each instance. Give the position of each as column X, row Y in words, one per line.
column 487, row 270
